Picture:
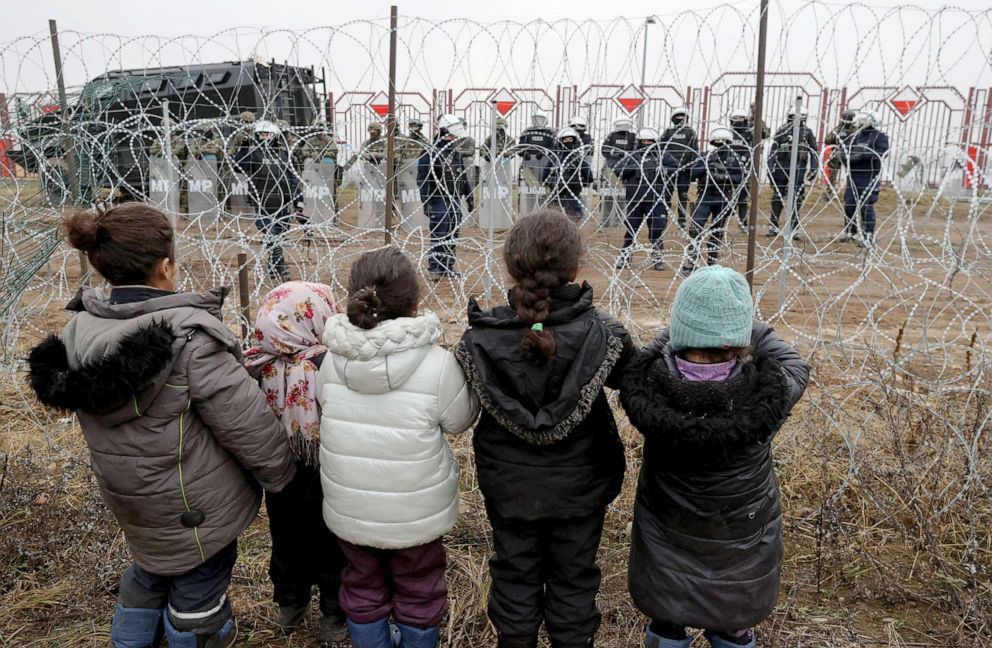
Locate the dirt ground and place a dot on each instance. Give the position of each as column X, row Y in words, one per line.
column 883, row 466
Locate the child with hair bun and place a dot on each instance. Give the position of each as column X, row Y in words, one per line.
column 548, row 454
column 388, row 392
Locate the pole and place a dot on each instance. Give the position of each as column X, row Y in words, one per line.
column 67, row 145
column 791, row 202
column 493, row 192
column 391, row 129
column 644, row 70
column 171, row 194
column 243, row 294
column 756, row 153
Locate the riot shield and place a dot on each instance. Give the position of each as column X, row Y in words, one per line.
column 202, row 184
column 372, row 195
column 318, row 191
column 163, row 190
column 612, row 202
column 532, row 191
column 496, row 202
column 411, row 210
column 238, row 192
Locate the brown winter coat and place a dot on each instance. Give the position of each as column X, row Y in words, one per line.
column 178, row 432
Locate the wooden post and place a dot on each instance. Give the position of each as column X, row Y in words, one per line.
column 68, row 146
column 756, row 155
column 243, row 295
column 391, row 129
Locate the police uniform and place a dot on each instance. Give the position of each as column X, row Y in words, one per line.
column 682, row 143
column 503, row 142
column 645, row 175
column 719, row 174
column 868, row 146
column 565, row 177
column 779, row 160
column 840, row 141
column 442, row 181
column 743, row 140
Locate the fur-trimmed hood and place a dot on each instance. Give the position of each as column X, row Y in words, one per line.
column 693, row 420
column 541, row 404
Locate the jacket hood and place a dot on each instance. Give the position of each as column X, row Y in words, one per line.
column 378, row 360
column 695, row 421
column 540, row 404
column 113, row 359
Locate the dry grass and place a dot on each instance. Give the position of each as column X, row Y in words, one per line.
column 883, row 548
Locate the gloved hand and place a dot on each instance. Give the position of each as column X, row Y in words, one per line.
column 470, row 201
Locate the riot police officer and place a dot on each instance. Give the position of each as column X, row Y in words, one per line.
column 410, row 147
column 779, row 160
column 568, row 173
column 681, row 142
column 743, row 140
column 274, row 190
column 839, row 139
column 442, row 181
column 719, row 174
column 537, row 141
column 644, row 177
column 619, row 144
column 579, row 124
column 864, row 158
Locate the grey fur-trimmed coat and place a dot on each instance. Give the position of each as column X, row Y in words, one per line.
column 706, row 548
column 546, row 445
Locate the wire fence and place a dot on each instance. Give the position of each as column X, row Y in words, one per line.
column 901, row 318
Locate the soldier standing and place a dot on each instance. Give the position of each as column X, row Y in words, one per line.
column 442, row 182
column 839, row 139
column 374, row 148
column 779, row 161
column 681, row 142
column 868, row 147
column 743, row 141
column 273, row 190
column 503, row 142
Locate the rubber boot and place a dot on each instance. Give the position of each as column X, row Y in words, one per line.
column 719, row 642
column 658, row 255
column 135, row 627
column 290, row 617
column 418, row 637
column 187, row 639
column 521, row 641
column 651, row 640
column 370, row 635
column 332, row 629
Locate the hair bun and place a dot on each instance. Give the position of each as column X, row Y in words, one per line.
column 83, row 230
column 363, row 308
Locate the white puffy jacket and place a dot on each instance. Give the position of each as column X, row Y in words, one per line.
column 387, row 394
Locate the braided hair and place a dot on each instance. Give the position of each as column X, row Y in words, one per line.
column 542, row 252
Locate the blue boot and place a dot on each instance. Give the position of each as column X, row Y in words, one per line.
column 651, row 640
column 135, row 627
column 370, row 635
column 417, row 637
column 719, row 642
column 185, row 639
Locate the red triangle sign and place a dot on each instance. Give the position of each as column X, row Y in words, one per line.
column 630, row 99
column 505, row 101
column 904, row 106
column 380, row 104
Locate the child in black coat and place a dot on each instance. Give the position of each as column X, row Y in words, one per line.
column 547, row 451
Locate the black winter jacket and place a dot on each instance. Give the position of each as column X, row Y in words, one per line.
column 275, row 187
column 706, row 549
column 546, row 445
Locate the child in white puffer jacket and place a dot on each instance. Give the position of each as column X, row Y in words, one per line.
column 388, row 391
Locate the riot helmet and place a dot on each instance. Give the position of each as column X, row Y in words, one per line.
column 579, row 123
column 265, row 130
column 451, row 126
column 866, row 119
column 569, row 137
column 737, row 118
column 648, row 136
column 847, row 117
column 721, row 136
column 623, row 124
column 680, row 115
column 375, row 130
column 539, row 119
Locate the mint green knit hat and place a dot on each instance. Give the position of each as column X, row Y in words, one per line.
column 712, row 309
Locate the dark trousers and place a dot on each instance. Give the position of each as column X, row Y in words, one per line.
column 545, row 570
column 716, row 211
column 409, row 583
column 861, row 195
column 273, row 228
column 678, row 184
column 780, row 195
column 444, row 218
column 304, row 551
column 197, row 600
column 656, row 214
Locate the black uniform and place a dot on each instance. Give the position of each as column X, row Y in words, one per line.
column 537, row 143
column 682, row 143
column 442, row 180
column 617, row 146
column 719, row 173
column 779, row 159
column 565, row 177
column 743, row 140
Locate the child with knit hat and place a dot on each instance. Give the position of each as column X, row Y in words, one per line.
column 708, row 395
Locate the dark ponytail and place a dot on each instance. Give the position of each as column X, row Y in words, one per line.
column 542, row 252
column 383, row 285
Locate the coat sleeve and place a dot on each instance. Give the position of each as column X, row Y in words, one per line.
column 231, row 404
column 627, row 354
column 796, row 370
column 458, row 405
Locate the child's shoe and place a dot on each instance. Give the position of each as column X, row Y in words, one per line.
column 290, row 617
column 652, row 640
column 332, row 629
column 723, row 640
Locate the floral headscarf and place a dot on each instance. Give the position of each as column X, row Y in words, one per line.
column 288, row 334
